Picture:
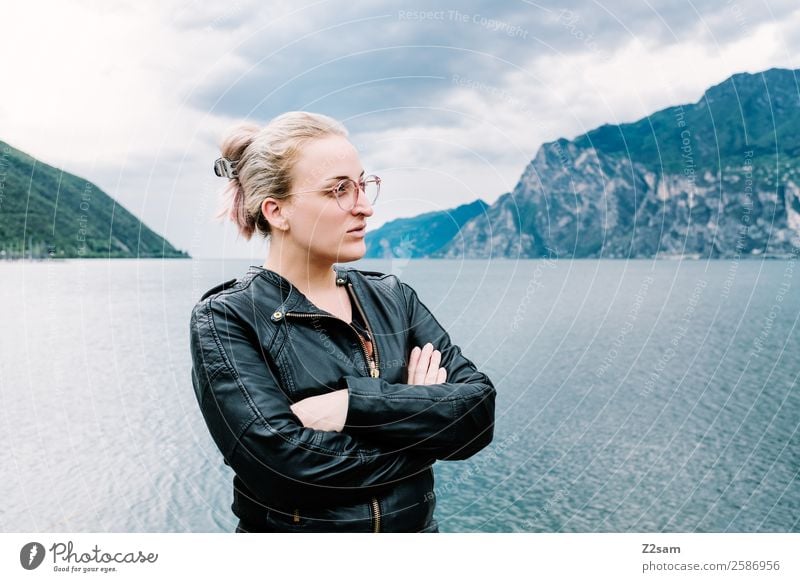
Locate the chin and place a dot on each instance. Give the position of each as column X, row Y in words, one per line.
column 348, row 255
column 349, row 258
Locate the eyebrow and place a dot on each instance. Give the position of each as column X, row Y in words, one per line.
column 343, row 177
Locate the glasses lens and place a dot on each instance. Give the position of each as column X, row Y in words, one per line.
column 372, row 187
column 347, row 191
column 345, row 194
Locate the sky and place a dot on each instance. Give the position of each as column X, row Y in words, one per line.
column 447, row 102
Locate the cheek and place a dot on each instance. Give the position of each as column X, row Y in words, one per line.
column 322, row 226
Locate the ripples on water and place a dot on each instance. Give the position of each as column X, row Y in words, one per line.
column 632, row 396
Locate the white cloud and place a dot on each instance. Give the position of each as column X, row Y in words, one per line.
column 101, row 92
column 642, row 77
column 100, row 84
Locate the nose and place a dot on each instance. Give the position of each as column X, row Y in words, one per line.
column 362, row 205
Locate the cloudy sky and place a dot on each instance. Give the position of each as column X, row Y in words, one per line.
column 447, row 102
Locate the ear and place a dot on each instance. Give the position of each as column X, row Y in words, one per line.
column 276, row 213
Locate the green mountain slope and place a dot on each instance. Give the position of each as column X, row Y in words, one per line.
column 746, row 112
column 45, row 212
column 420, row 236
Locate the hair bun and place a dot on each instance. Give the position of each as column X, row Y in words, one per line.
column 238, row 139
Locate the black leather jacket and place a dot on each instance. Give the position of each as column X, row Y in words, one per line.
column 259, row 345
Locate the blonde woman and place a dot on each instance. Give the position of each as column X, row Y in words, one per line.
column 330, row 391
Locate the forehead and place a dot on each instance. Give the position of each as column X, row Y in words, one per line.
column 325, row 157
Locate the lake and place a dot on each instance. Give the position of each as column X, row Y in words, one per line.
column 632, row 395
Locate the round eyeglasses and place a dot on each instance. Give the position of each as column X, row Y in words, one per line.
column 346, row 191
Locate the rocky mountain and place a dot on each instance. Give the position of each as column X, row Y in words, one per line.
column 717, row 178
column 46, row 212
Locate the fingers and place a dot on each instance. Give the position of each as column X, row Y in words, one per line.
column 433, row 367
column 421, row 370
column 424, row 366
column 413, row 361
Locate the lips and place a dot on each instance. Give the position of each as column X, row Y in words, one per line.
column 362, row 227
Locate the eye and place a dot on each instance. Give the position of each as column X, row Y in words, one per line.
column 340, row 188
column 344, row 188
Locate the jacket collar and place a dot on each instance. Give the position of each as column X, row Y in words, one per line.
column 342, row 276
column 291, row 299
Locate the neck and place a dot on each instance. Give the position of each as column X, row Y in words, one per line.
column 309, row 276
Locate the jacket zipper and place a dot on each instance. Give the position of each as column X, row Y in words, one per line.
column 375, row 371
column 372, row 362
column 376, row 515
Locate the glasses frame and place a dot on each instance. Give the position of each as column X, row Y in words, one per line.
column 360, row 187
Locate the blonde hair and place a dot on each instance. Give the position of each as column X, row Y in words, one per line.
column 265, row 157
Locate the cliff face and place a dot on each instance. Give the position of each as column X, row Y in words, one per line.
column 718, row 178
column 584, row 203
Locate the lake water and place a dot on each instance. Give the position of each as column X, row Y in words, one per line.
column 632, row 395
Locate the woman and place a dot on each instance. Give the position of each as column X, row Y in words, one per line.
column 331, row 392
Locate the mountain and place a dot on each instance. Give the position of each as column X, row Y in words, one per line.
column 422, row 235
column 45, row 212
column 717, row 178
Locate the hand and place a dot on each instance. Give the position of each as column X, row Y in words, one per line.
column 323, row 412
column 423, row 366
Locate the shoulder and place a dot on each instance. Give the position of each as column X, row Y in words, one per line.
column 203, row 315
column 225, row 295
column 236, row 308
column 216, row 289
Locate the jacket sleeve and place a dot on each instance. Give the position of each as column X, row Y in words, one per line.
column 451, row 421
column 253, row 426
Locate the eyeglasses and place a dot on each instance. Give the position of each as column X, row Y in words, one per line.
column 346, row 191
